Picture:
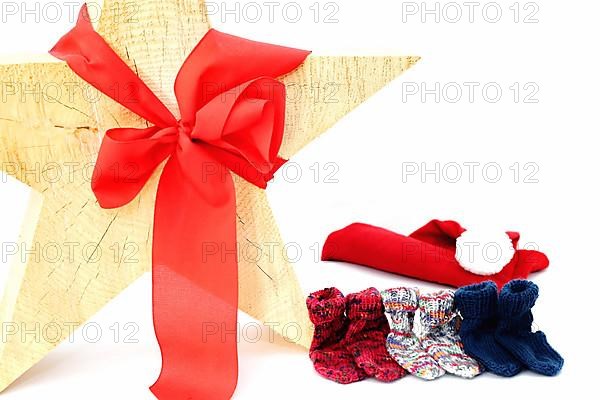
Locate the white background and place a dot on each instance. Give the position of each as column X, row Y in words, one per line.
column 557, row 56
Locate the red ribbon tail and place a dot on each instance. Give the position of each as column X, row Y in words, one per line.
column 195, row 287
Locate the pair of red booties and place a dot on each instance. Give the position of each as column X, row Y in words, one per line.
column 350, row 335
column 428, row 254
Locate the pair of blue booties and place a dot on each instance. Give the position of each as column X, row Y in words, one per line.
column 496, row 329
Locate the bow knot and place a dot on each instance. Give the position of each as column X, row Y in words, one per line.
column 183, row 129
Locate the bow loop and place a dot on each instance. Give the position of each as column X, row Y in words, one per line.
column 127, row 159
column 246, row 124
column 221, row 62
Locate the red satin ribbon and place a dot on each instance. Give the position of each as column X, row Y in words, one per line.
column 232, row 119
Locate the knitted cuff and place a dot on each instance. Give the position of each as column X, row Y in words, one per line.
column 437, row 308
column 400, row 299
column 477, row 301
column 517, row 297
column 364, row 305
column 325, row 305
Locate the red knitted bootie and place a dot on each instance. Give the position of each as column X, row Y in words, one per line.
column 329, row 355
column 366, row 336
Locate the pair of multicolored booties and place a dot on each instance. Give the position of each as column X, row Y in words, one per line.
column 349, row 339
column 437, row 348
column 353, row 339
column 497, row 329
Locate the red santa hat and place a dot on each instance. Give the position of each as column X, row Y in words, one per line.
column 441, row 252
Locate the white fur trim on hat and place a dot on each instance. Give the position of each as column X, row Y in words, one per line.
column 484, row 252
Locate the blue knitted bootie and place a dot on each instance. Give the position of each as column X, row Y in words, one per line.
column 478, row 306
column 514, row 329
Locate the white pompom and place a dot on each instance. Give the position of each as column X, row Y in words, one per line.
column 484, row 252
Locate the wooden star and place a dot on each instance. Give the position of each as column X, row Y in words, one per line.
column 80, row 256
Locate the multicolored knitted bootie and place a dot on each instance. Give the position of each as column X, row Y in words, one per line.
column 439, row 337
column 478, row 306
column 366, row 336
column 514, row 329
column 402, row 344
column 330, row 357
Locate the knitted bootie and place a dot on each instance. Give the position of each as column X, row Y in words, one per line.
column 439, row 336
column 402, row 343
column 329, row 356
column 478, row 306
column 366, row 336
column 514, row 329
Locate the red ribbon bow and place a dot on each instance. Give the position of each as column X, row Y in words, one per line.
column 232, row 116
